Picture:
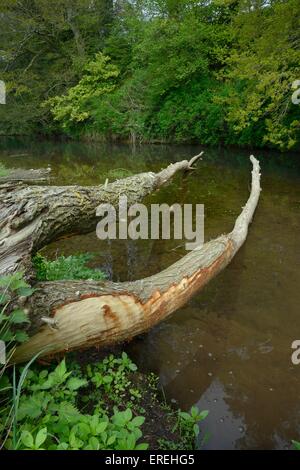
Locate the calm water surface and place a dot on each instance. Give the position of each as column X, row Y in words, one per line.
column 228, row 350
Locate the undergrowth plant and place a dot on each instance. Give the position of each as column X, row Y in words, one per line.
column 49, row 415
column 12, row 333
column 12, row 320
column 296, row 445
column 187, row 423
column 66, row 268
column 93, row 407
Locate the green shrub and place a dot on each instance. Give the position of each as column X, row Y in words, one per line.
column 63, row 268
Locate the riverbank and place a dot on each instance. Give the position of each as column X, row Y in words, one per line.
column 93, row 401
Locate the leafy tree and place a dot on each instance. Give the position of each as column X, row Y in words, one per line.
column 44, row 46
column 99, row 78
column 217, row 72
column 260, row 71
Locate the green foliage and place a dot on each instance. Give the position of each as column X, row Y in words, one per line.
column 63, row 268
column 44, row 47
column 12, row 321
column 259, row 74
column 48, row 416
column 188, row 425
column 112, row 381
column 189, row 421
column 218, row 72
column 296, row 445
column 99, row 78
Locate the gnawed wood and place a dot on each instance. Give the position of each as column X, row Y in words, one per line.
column 102, row 313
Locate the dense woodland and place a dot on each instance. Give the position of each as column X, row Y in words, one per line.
column 211, row 72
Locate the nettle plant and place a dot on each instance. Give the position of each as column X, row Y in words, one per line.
column 48, row 416
column 111, row 378
column 13, row 288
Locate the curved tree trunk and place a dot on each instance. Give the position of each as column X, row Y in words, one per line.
column 67, row 315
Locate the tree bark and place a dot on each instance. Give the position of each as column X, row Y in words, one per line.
column 68, row 315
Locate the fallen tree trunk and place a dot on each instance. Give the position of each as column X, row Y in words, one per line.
column 68, row 315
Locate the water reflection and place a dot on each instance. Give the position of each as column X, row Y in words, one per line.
column 221, row 430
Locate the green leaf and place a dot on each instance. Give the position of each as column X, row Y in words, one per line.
column 7, row 336
column 184, row 415
column 68, row 412
column 111, row 440
column 61, row 369
column 21, row 336
column 41, row 437
column 203, row 415
column 27, row 439
column 94, row 443
column 73, row 440
column 142, row 446
column 296, row 445
column 18, row 316
column 128, row 414
column 17, row 284
column 25, row 291
column 31, row 407
column 62, row 446
column 119, row 418
column 138, row 421
column 131, row 441
column 74, row 383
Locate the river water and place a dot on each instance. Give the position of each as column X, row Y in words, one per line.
column 229, row 349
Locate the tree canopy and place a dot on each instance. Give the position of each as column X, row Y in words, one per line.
column 217, row 72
